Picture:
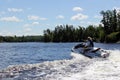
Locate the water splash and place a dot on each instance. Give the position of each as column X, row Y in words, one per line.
column 101, row 69
column 77, row 68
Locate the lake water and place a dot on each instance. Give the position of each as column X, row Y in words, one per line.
column 41, row 61
column 26, row 53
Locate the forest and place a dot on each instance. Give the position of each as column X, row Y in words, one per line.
column 108, row 31
column 21, row 38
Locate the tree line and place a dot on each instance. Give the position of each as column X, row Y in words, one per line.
column 108, row 31
column 111, row 24
column 21, row 38
column 69, row 33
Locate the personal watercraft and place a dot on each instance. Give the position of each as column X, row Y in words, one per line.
column 93, row 53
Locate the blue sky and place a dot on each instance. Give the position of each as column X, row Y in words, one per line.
column 31, row 17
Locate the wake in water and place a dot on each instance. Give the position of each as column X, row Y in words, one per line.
column 77, row 68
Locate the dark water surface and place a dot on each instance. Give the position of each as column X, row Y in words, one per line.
column 27, row 53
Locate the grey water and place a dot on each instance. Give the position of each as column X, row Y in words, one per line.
column 36, row 52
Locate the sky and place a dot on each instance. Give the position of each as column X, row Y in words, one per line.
column 32, row 17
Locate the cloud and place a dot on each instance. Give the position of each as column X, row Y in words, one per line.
column 31, row 24
column 97, row 17
column 43, row 18
column 117, row 8
column 15, row 10
column 77, row 9
column 93, row 23
column 10, row 19
column 79, row 16
column 35, row 23
column 60, row 17
column 35, row 18
column 27, row 25
column 6, row 33
column 87, row 23
column 28, row 29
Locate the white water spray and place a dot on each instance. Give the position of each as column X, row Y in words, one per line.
column 77, row 68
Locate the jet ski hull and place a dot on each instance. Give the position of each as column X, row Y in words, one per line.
column 96, row 52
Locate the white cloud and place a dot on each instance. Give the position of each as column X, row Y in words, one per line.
column 98, row 17
column 77, row 9
column 6, row 33
column 35, row 18
column 60, row 17
column 35, row 23
column 117, row 8
column 28, row 29
column 93, row 23
column 48, row 25
column 43, row 18
column 79, row 16
column 27, row 25
column 15, row 10
column 31, row 24
column 10, row 19
column 87, row 23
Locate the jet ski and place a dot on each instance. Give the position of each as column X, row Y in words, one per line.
column 93, row 53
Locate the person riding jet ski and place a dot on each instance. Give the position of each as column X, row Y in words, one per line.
column 87, row 49
column 89, row 45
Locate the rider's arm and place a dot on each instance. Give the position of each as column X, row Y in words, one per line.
column 87, row 44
